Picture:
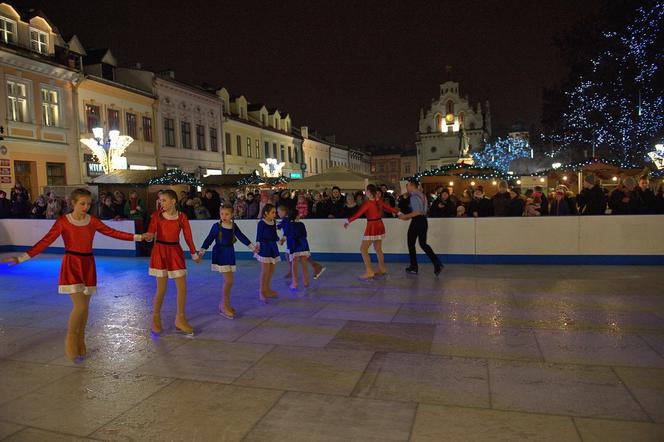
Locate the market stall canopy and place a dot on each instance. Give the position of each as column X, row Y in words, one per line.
column 224, row 180
column 342, row 177
column 146, row 178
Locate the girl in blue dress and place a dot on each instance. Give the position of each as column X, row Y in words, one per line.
column 295, row 236
column 268, row 250
column 224, row 234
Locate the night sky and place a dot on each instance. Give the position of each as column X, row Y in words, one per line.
column 358, row 69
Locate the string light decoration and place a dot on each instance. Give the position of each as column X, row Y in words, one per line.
column 500, row 154
column 619, row 103
column 174, row 176
column 470, row 172
column 255, row 180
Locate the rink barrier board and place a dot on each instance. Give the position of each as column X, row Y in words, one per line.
column 545, row 240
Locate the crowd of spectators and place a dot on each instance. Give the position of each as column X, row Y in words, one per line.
column 631, row 196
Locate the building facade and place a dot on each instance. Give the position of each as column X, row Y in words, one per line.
column 38, row 138
column 254, row 133
column 451, row 129
column 188, row 123
column 105, row 102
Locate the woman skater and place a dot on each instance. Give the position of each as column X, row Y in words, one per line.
column 224, row 234
column 78, row 276
column 167, row 258
column 374, row 232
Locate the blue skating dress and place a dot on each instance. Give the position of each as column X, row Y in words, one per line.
column 266, row 236
column 296, row 238
column 223, row 252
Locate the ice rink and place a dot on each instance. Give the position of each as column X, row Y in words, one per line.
column 495, row 353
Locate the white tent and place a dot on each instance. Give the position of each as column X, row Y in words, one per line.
column 342, row 177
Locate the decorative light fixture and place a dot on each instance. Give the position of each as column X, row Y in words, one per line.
column 565, row 178
column 494, row 183
column 615, row 178
column 271, row 168
column 541, row 180
column 556, row 165
column 109, row 152
column 657, row 156
column 518, row 181
column 472, row 183
column 451, row 183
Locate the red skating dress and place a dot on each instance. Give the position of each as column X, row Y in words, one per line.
column 78, row 273
column 167, row 258
column 373, row 210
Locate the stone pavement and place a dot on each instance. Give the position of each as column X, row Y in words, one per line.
column 496, row 353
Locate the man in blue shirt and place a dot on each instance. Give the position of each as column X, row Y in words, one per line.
column 418, row 229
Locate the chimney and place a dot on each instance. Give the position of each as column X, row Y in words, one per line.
column 304, row 131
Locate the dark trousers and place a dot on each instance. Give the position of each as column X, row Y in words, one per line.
column 418, row 231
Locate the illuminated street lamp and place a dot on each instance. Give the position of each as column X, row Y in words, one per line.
column 108, row 152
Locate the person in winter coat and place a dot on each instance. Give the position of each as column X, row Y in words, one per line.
column 559, row 205
column 544, row 201
column 624, row 200
column 252, row 206
column 134, row 208
column 480, row 206
column 501, row 200
column 659, row 199
column 517, row 203
column 591, row 200
column 39, row 208
column 646, row 195
column 443, row 206
column 212, row 201
column 53, row 206
column 5, row 205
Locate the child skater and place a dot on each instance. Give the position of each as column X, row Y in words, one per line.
column 224, row 234
column 295, row 236
column 268, row 250
column 78, row 276
column 374, row 232
column 285, row 219
column 167, row 258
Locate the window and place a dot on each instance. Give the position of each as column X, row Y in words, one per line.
column 227, row 139
column 406, row 168
column 381, row 167
column 113, row 119
column 92, row 115
column 439, row 123
column 131, row 125
column 316, row 165
column 433, row 149
column 38, row 41
column 169, row 132
column 238, row 146
column 267, row 149
column 258, row 149
column 393, row 166
column 249, row 147
column 449, row 107
column 290, row 154
column 7, row 30
column 213, row 140
column 274, row 150
column 297, row 156
column 147, row 129
column 55, row 174
column 185, row 134
column 283, row 153
column 50, row 107
column 17, row 96
column 200, row 137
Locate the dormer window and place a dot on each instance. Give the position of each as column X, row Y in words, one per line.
column 7, row 30
column 39, row 41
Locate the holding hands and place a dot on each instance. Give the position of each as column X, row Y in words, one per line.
column 148, row 236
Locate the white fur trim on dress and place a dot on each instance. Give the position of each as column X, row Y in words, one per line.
column 84, row 222
column 23, row 258
column 222, row 269
column 373, row 238
column 172, row 274
column 77, row 288
column 296, row 254
column 267, row 260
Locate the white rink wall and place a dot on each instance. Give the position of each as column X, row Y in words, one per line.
column 572, row 239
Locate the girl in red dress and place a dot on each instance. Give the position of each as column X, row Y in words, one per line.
column 167, row 258
column 374, row 233
column 78, row 276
